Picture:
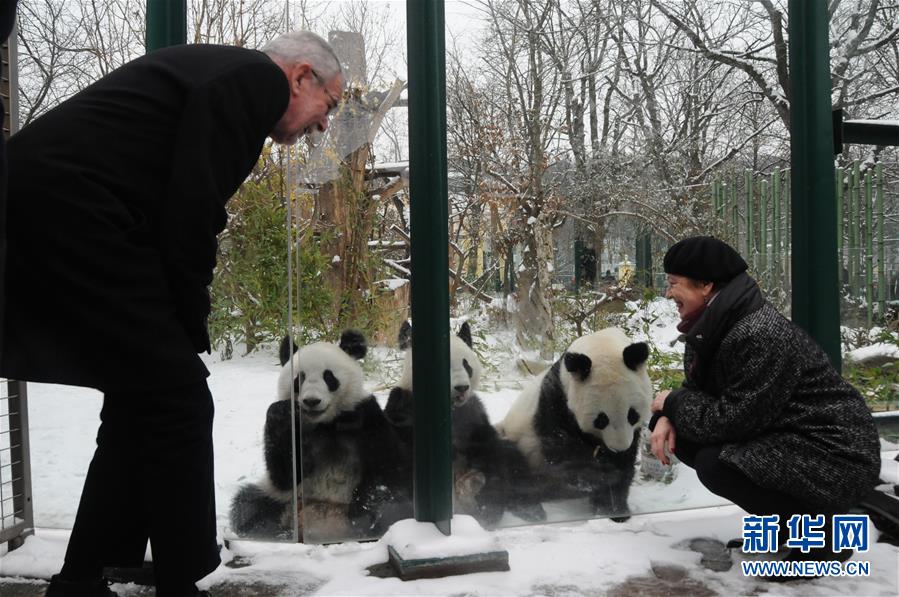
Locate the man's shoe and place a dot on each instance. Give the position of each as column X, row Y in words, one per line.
column 59, row 587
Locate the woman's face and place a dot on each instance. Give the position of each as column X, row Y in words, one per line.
column 687, row 294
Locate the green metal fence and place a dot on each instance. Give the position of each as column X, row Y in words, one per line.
column 751, row 211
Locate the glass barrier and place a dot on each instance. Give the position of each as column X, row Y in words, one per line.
column 578, row 152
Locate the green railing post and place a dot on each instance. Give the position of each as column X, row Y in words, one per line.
column 838, row 186
column 855, row 246
column 735, row 208
column 776, row 252
column 815, row 296
column 788, row 226
column 881, row 250
column 166, row 23
column 763, row 229
column 578, row 255
column 430, row 263
column 750, row 228
column 869, row 250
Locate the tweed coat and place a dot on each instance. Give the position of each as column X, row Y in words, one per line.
column 116, row 197
column 783, row 415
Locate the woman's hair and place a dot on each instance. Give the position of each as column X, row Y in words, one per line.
column 716, row 286
column 305, row 46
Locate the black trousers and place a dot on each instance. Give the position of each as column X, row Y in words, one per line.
column 151, row 478
column 729, row 482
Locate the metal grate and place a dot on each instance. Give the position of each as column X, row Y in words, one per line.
column 16, row 519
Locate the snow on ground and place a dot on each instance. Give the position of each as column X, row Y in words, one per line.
column 564, row 558
column 583, row 558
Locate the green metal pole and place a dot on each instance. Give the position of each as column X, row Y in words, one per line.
column 715, row 199
column 763, row 227
column 750, row 229
column 735, row 208
column 855, row 223
column 838, row 186
column 869, row 250
column 881, row 248
column 815, row 296
column 166, row 23
column 788, row 228
column 777, row 251
column 430, row 264
column 578, row 255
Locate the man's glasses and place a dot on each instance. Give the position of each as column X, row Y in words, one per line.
column 333, row 101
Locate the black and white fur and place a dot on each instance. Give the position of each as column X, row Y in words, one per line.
column 352, row 472
column 490, row 475
column 579, row 423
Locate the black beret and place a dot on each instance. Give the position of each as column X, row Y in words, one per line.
column 704, row 258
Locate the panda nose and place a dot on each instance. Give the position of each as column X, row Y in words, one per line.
column 312, row 402
column 461, row 389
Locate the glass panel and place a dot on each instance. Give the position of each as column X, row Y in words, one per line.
column 338, row 470
column 583, row 138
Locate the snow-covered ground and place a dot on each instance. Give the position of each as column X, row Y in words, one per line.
column 563, row 558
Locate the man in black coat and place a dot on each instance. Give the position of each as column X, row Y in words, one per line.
column 116, row 197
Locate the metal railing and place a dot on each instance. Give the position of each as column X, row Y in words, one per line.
column 16, row 516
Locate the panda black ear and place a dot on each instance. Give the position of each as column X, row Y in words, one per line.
column 405, row 335
column 465, row 334
column 286, row 349
column 578, row 365
column 353, row 343
column 635, row 355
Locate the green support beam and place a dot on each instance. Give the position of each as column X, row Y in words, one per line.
column 430, row 263
column 166, row 23
column 815, row 296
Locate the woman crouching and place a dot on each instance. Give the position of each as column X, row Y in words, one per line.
column 762, row 415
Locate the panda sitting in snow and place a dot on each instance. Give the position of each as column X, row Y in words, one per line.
column 490, row 475
column 579, row 423
column 353, row 480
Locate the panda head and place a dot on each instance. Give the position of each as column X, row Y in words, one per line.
column 327, row 378
column 606, row 385
column 465, row 367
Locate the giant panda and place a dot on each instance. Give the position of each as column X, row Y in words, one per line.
column 579, row 423
column 353, row 478
column 490, row 475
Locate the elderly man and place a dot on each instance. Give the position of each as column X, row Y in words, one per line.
column 116, row 197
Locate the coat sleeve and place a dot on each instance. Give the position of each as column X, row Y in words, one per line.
column 760, row 376
column 218, row 140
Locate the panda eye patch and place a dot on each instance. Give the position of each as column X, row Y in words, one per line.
column 302, row 377
column 601, row 421
column 332, row 382
column 632, row 416
column 467, row 367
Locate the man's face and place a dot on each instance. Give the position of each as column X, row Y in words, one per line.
column 311, row 101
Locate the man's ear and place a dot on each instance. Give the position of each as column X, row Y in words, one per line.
column 298, row 73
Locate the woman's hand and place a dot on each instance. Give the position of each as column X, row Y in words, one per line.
column 663, row 436
column 658, row 402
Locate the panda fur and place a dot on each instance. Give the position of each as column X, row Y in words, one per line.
column 579, row 423
column 353, row 477
column 489, row 473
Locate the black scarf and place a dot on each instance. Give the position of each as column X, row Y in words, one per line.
column 738, row 299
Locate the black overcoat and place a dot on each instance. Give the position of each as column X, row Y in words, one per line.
column 769, row 395
column 116, row 197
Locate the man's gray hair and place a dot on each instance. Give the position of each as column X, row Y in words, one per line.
column 305, row 46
